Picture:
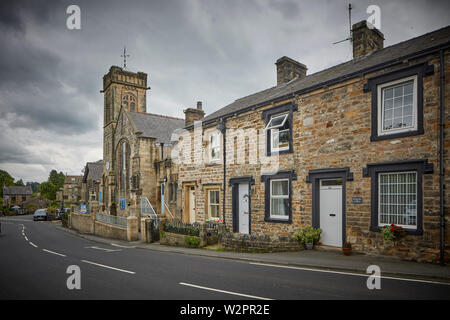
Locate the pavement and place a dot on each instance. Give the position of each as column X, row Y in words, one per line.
column 332, row 260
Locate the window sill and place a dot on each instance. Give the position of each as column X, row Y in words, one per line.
column 278, row 220
column 272, row 153
column 396, row 135
column 414, row 232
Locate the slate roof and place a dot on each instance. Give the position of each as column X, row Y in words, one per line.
column 17, row 190
column 348, row 69
column 94, row 169
column 156, row 126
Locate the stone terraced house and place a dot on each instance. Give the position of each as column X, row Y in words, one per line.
column 358, row 146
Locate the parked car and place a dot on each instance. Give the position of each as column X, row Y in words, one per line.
column 40, row 214
column 60, row 212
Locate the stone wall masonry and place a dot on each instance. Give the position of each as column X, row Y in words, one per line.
column 110, row 231
column 83, row 223
column 258, row 243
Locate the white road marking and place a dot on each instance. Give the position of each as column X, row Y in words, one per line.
column 26, row 238
column 104, row 249
column 224, row 291
column 347, row 273
column 59, row 254
column 32, row 244
column 120, row 246
column 102, row 265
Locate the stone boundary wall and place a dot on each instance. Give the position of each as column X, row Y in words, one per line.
column 106, row 230
column 87, row 224
column 175, row 239
column 258, row 243
column 83, row 223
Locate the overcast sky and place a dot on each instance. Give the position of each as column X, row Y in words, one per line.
column 51, row 110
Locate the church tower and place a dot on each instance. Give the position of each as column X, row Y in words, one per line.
column 120, row 88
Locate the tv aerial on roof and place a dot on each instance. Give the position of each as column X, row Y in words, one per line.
column 350, row 25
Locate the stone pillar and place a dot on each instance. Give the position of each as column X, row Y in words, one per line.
column 132, row 228
column 94, row 207
column 202, row 235
column 144, row 235
column 221, row 232
column 93, row 218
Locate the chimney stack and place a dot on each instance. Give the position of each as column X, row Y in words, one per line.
column 192, row 114
column 288, row 69
column 366, row 39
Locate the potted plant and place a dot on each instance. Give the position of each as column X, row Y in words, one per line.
column 392, row 232
column 308, row 236
column 347, row 248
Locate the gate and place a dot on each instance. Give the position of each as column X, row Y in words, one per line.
column 152, row 226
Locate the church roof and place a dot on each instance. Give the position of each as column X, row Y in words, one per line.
column 94, row 170
column 156, row 126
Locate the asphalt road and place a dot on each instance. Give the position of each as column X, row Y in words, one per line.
column 34, row 257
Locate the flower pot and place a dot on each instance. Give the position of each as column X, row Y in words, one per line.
column 347, row 251
column 309, row 246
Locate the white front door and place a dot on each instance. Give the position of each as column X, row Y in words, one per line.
column 191, row 205
column 331, row 212
column 243, row 208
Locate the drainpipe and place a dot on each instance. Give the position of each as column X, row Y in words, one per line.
column 222, row 128
column 441, row 156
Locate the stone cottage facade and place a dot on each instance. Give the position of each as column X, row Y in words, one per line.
column 353, row 148
column 16, row 195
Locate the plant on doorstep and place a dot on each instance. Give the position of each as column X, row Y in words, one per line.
column 347, row 248
column 309, row 236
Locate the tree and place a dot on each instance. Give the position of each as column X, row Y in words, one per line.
column 5, row 180
column 34, row 186
column 56, row 178
column 19, row 183
column 48, row 190
column 55, row 182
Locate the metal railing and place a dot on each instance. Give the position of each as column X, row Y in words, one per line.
column 170, row 212
column 109, row 219
column 147, row 210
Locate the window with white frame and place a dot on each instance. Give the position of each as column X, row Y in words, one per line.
column 279, row 199
column 213, row 203
column 279, row 130
column 397, row 203
column 215, row 146
column 397, row 106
